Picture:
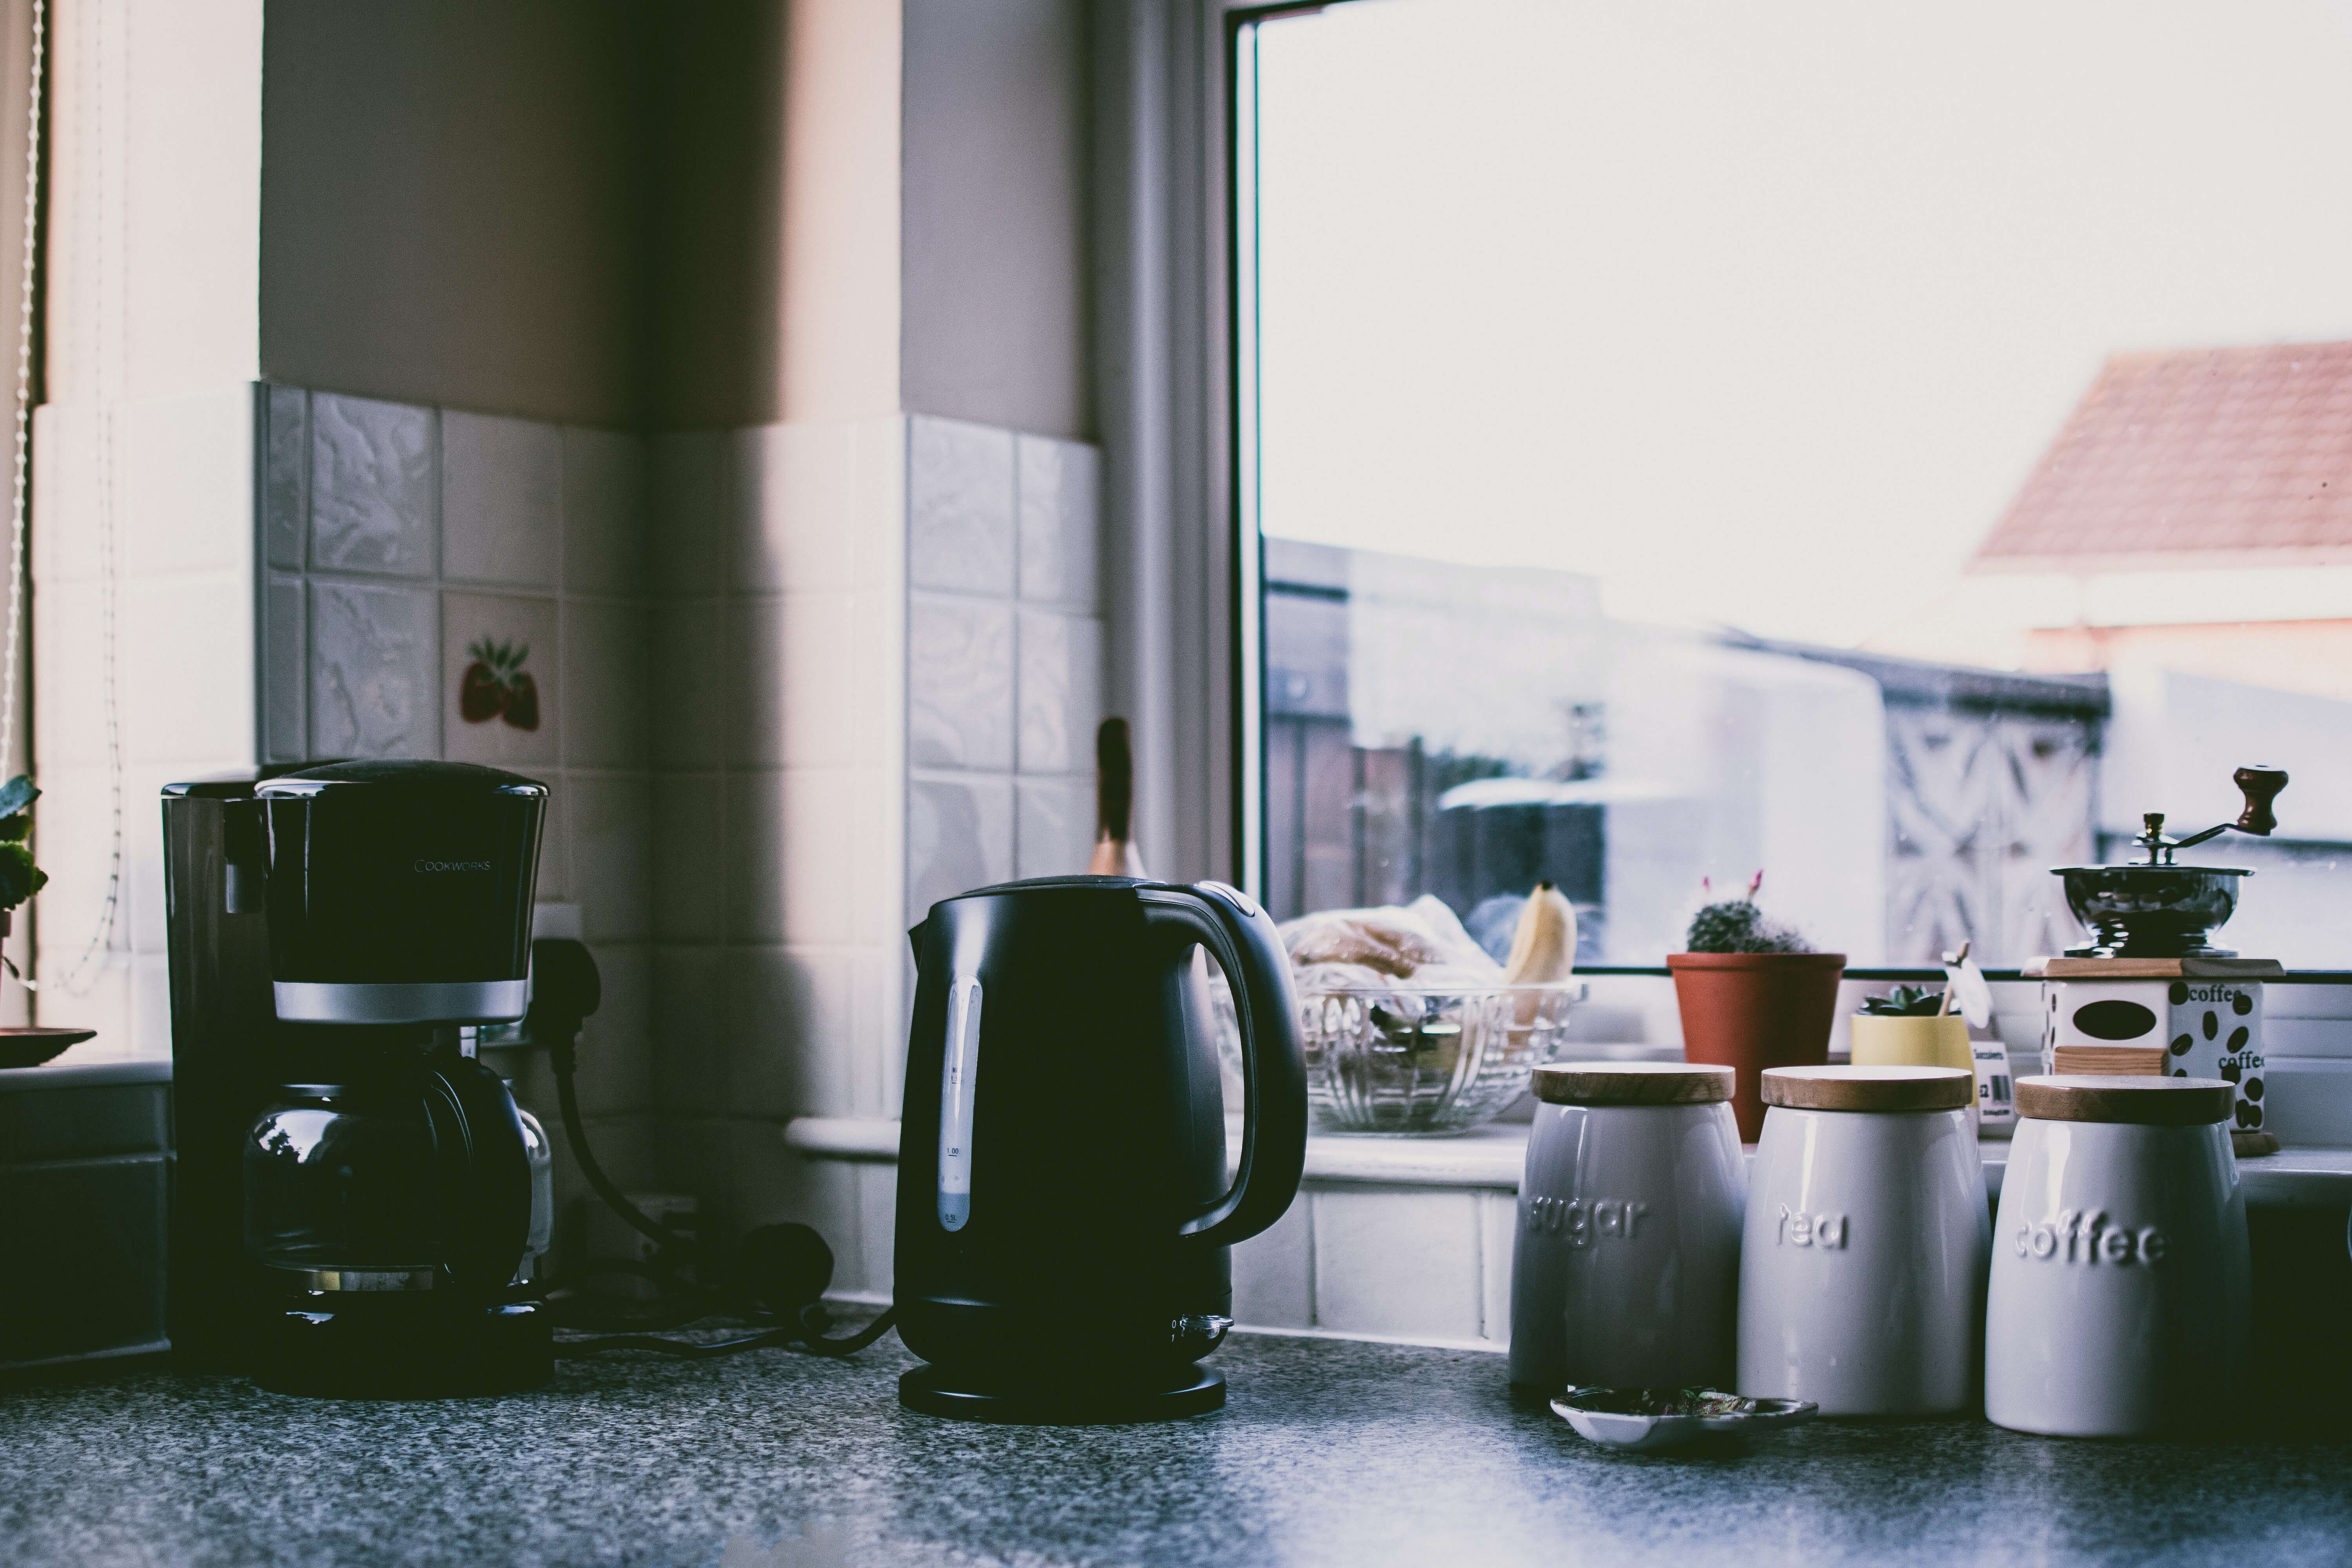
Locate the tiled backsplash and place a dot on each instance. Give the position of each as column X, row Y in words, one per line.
column 1004, row 653
column 789, row 685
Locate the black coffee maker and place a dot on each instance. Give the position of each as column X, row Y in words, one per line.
column 354, row 1205
column 1065, row 1216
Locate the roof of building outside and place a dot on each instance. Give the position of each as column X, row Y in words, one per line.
column 2228, row 457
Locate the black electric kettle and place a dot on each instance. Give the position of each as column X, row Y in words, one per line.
column 1065, row 1216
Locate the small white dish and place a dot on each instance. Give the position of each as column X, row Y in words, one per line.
column 1642, row 1419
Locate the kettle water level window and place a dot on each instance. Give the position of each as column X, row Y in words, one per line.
column 1891, row 450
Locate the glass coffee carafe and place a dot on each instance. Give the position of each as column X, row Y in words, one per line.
column 396, row 1180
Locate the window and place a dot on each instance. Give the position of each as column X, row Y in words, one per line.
column 1888, row 448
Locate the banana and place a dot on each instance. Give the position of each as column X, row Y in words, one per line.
column 1543, row 947
column 1543, row 951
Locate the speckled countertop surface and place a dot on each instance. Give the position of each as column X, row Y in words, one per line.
column 1330, row 1452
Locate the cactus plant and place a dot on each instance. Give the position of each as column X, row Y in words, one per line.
column 1737, row 925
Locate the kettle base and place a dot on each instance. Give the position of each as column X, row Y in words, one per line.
column 936, row 1391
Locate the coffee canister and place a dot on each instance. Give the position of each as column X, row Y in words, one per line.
column 1862, row 1265
column 1625, row 1266
column 2119, row 1303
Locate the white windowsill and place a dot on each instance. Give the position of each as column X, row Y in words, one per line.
column 1491, row 1157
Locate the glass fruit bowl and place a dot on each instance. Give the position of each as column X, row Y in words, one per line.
column 1418, row 1061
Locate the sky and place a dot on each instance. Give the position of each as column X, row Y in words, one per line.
column 1762, row 314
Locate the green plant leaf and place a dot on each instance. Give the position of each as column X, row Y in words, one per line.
column 16, row 795
column 19, row 878
column 17, row 828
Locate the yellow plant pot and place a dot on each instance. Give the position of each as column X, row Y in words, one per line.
column 1889, row 1042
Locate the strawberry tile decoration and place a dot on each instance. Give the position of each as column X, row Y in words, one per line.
column 497, row 686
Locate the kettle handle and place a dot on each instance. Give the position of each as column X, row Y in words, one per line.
column 1243, row 940
column 482, row 1172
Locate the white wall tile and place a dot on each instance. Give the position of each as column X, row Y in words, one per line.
column 374, row 671
column 1397, row 1260
column 876, row 899
column 527, row 731
column 788, row 1013
column 688, row 856
column 65, row 530
column 877, row 1222
column 878, row 1028
column 1060, row 486
column 689, row 512
column 616, row 1071
column 689, row 699
column 767, row 1183
column 374, row 490
column 959, row 838
column 188, row 470
column 76, row 847
column 689, row 1027
column 555, row 847
column 959, row 528
column 612, row 826
column 1498, row 1230
column 285, row 697
column 607, row 655
column 1056, row 826
column 878, row 544
column 788, row 662
column 794, row 504
column 69, row 720
column 960, row 690
column 286, row 475
column 605, row 511
column 1273, row 1284
column 877, row 686
column 1060, row 691
column 790, row 858
column 187, row 648
column 502, row 501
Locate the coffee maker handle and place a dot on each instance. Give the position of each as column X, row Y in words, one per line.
column 482, row 1172
column 1241, row 938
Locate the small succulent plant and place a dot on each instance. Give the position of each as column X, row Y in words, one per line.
column 1905, row 1002
column 1737, row 925
column 19, row 878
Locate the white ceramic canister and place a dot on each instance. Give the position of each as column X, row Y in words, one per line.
column 1625, row 1268
column 1862, row 1267
column 2119, row 1298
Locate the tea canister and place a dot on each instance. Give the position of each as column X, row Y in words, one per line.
column 1863, row 1260
column 1625, row 1264
column 2119, row 1302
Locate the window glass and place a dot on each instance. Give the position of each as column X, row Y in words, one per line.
column 1888, row 448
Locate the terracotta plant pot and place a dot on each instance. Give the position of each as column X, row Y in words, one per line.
column 1749, row 1010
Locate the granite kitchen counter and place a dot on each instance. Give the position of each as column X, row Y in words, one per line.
column 1330, row 1452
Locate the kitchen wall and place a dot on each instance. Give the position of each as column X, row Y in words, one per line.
column 381, row 333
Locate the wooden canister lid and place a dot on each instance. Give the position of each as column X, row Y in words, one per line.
column 1633, row 1083
column 2136, row 1101
column 1870, row 1088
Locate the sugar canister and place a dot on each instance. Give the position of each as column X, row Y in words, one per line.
column 1862, row 1265
column 2119, row 1298
column 1625, row 1267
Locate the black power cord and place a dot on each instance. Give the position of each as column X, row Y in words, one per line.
column 783, row 1268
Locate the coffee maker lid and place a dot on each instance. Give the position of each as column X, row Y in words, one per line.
column 397, row 774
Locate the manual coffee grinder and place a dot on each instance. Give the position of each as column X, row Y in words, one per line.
column 353, row 1208
column 2149, row 994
